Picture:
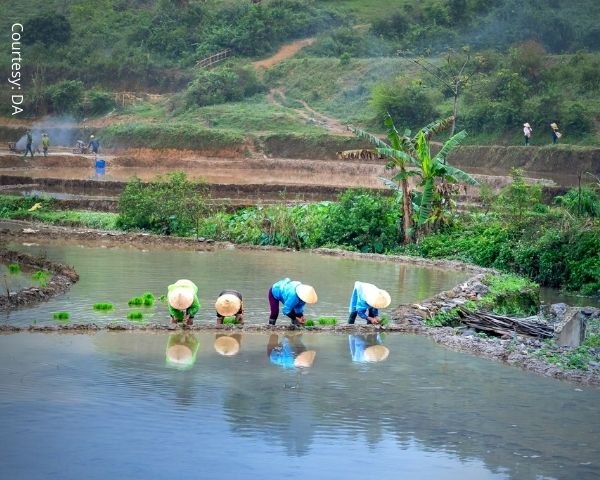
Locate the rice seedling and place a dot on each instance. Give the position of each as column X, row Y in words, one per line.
column 309, row 323
column 327, row 321
column 148, row 299
column 103, row 306
column 135, row 316
column 14, row 268
column 384, row 320
column 162, row 299
column 230, row 321
column 61, row 316
column 135, row 301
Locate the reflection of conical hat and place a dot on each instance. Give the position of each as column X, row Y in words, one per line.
column 376, row 297
column 180, row 354
column 227, row 346
column 228, row 305
column 376, row 353
column 305, row 359
column 180, row 298
column 306, row 293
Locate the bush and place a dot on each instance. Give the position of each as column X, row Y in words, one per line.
column 47, row 29
column 99, row 102
column 581, row 202
column 167, row 205
column 65, row 96
column 511, row 295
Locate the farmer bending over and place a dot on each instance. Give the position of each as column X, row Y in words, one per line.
column 294, row 295
column 183, row 301
column 366, row 301
column 229, row 304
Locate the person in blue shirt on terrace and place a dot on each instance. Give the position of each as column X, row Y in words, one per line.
column 366, row 301
column 294, row 295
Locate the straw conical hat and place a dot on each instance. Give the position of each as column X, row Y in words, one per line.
column 305, row 359
column 228, row 305
column 376, row 297
column 180, row 354
column 180, row 298
column 227, row 346
column 306, row 293
column 376, row 353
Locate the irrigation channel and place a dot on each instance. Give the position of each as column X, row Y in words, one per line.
column 110, row 404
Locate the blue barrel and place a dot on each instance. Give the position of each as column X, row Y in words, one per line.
column 100, row 163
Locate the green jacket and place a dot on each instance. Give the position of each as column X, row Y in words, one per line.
column 45, row 142
column 193, row 308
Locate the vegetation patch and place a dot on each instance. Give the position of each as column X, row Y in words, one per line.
column 135, row 301
column 103, row 306
column 444, row 318
column 230, row 321
column 42, row 277
column 149, row 299
column 327, row 321
column 511, row 295
column 309, row 323
column 61, row 316
column 14, row 268
column 135, row 316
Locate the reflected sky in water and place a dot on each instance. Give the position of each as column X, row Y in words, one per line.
column 110, row 405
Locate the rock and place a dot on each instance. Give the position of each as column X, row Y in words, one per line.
column 30, row 230
column 201, row 239
column 480, row 289
column 210, row 240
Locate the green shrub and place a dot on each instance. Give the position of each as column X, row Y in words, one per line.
column 66, row 96
column 103, row 306
column 99, row 102
column 60, row 316
column 511, row 295
column 581, row 202
column 444, row 318
column 14, row 268
column 47, row 29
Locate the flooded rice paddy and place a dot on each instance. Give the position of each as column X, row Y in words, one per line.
column 110, row 405
column 114, row 275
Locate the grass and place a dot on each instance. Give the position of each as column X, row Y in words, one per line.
column 443, row 319
column 61, row 316
column 511, row 295
column 41, row 276
column 14, row 268
column 327, row 321
column 103, row 306
column 135, row 301
column 577, row 358
column 135, row 316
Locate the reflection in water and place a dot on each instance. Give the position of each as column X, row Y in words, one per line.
column 290, row 352
column 228, row 345
column 367, row 348
column 182, row 349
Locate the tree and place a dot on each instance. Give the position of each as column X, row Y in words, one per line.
column 47, row 29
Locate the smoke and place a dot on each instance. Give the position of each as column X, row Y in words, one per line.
column 60, row 130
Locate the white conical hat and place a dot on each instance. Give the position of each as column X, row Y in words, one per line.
column 305, row 359
column 376, row 353
column 227, row 346
column 228, row 305
column 376, row 297
column 180, row 298
column 306, row 293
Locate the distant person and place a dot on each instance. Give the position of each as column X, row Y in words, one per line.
column 183, row 301
column 527, row 131
column 294, row 295
column 45, row 143
column 367, row 348
column 94, row 145
column 366, row 301
column 290, row 352
column 29, row 144
column 229, row 304
column 554, row 132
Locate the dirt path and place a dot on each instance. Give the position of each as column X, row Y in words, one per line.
column 277, row 97
column 284, row 52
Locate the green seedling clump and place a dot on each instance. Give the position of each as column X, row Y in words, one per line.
column 14, row 268
column 103, row 306
column 162, row 299
column 60, row 316
column 327, row 321
column 230, row 321
column 384, row 320
column 135, row 316
column 148, row 299
column 41, row 276
column 136, row 301
column 309, row 323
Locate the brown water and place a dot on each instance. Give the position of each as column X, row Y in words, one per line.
column 114, row 275
column 109, row 406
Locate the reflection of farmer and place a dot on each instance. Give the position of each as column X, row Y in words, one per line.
column 366, row 301
column 229, row 304
column 182, row 349
column 94, row 144
column 29, row 143
column 183, row 301
column 228, row 345
column 45, row 143
column 367, row 348
column 290, row 352
column 294, row 295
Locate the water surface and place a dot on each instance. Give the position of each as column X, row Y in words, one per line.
column 109, row 406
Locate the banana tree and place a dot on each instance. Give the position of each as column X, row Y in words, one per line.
column 398, row 152
column 432, row 170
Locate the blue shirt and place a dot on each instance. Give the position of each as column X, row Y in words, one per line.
column 358, row 303
column 358, row 344
column 283, row 355
column 285, row 291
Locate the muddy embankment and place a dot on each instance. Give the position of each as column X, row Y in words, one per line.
column 62, row 277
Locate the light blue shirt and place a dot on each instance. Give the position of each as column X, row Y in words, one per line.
column 358, row 303
column 283, row 355
column 358, row 344
column 285, row 291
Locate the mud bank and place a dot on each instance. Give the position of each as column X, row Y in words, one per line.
column 62, row 279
